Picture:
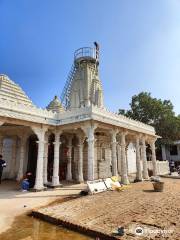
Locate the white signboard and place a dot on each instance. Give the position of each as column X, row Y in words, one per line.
column 96, row 186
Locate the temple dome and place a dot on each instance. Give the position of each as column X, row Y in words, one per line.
column 55, row 105
column 10, row 91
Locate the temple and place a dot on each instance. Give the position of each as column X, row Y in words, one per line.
column 75, row 138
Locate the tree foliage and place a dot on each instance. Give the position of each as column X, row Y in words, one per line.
column 157, row 113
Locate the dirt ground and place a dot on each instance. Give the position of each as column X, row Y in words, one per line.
column 157, row 214
column 13, row 202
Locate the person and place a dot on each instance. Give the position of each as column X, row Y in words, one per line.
column 97, row 50
column 2, row 165
column 25, row 185
column 30, row 178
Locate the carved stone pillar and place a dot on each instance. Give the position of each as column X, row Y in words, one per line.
column 89, row 131
column 119, row 158
column 80, row 162
column 138, row 161
column 124, row 175
column 114, row 153
column 55, row 178
column 21, row 157
column 90, row 141
column 154, row 163
column 45, row 180
column 40, row 132
column 144, row 160
column 69, row 163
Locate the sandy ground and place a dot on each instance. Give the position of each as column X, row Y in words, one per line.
column 13, row 202
column 138, row 206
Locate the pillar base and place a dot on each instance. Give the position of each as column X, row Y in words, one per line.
column 146, row 179
column 80, row 181
column 50, row 185
column 125, row 182
column 138, row 180
column 38, row 190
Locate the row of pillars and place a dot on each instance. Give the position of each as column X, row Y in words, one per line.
column 121, row 161
column 42, row 160
column 141, row 174
column 42, row 157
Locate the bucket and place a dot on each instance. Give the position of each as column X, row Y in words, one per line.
column 158, row 186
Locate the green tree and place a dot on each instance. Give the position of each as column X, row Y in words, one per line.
column 157, row 113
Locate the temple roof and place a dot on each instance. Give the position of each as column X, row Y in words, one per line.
column 12, row 92
column 55, row 105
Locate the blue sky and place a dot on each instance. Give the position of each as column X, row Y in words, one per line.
column 139, row 41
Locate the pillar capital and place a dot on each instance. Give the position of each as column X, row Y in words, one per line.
column 114, row 131
column 152, row 142
column 89, row 129
column 123, row 133
column 57, row 134
column 57, row 143
column 40, row 132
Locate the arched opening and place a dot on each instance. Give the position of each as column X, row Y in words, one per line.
column 32, row 155
column 51, row 140
column 85, row 160
column 63, row 153
column 75, row 158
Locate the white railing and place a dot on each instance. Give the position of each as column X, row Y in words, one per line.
column 85, row 52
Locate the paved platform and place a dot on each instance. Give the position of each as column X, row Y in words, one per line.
column 14, row 202
column 136, row 206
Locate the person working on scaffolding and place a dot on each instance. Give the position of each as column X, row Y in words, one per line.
column 97, row 49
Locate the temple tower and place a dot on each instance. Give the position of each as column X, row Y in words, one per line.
column 84, row 87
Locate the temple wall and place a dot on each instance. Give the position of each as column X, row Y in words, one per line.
column 162, row 167
column 7, row 156
column 131, row 158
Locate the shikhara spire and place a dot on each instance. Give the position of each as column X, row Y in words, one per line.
column 83, row 87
